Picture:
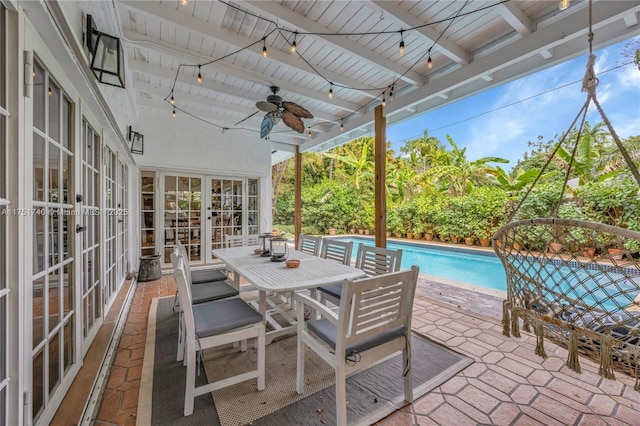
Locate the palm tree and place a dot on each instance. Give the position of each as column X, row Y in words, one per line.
column 362, row 166
column 459, row 174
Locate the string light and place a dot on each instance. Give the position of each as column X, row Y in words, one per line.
column 49, row 91
column 33, row 73
column 172, row 101
column 564, row 4
column 199, row 75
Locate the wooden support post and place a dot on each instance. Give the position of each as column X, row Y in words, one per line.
column 381, row 173
column 297, row 208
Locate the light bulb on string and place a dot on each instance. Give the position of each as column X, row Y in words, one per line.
column 174, row 112
column 199, row 75
column 330, row 90
column 391, row 93
column 564, row 4
column 429, row 62
column 401, row 46
column 49, row 92
column 184, row 2
column 172, row 101
column 264, row 47
column 293, row 45
column 341, row 124
column 384, row 100
column 309, row 131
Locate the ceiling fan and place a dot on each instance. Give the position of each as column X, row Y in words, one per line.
column 276, row 109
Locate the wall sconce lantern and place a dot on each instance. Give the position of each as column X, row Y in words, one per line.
column 107, row 55
column 137, row 142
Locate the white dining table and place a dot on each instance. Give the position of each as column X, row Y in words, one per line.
column 268, row 276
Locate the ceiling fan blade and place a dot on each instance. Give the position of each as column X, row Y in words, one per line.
column 265, row 127
column 246, row 118
column 293, row 121
column 296, row 110
column 266, row 106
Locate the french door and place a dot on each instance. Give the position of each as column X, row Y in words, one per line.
column 52, row 281
column 200, row 210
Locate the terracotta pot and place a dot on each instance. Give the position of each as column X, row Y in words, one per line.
column 485, row 242
column 332, row 231
column 361, row 231
column 555, row 248
column 398, row 234
column 615, row 253
column 428, row 237
column 417, row 235
column 388, row 233
column 588, row 251
column 455, row 240
column 352, row 230
column 469, row 241
column 410, row 235
column 367, row 232
column 516, row 246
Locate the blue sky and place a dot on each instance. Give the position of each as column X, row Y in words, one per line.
column 506, row 131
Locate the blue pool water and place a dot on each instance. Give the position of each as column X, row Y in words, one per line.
column 484, row 270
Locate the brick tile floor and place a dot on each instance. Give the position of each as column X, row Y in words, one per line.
column 507, row 384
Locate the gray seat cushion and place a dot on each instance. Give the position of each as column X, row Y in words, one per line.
column 327, row 332
column 219, row 317
column 334, row 290
column 207, row 276
column 211, row 291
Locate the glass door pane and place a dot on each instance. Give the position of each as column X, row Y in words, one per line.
column 226, row 213
column 52, row 285
column 182, row 202
column 110, row 287
column 91, row 257
column 4, row 291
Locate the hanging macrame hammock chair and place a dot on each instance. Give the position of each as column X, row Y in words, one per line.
column 577, row 283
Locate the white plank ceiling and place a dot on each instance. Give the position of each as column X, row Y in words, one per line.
column 473, row 46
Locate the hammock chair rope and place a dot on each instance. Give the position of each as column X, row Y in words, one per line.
column 583, row 292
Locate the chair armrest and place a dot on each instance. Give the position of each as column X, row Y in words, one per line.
column 325, row 312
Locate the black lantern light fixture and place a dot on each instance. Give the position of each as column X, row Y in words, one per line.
column 137, row 141
column 107, row 55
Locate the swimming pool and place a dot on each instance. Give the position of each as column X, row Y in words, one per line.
column 482, row 269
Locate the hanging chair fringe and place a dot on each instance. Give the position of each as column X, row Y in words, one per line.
column 540, row 340
column 637, row 386
column 515, row 323
column 606, row 355
column 506, row 305
column 573, row 361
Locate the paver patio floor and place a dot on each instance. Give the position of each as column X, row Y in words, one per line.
column 507, row 384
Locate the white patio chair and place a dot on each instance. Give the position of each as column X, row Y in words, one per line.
column 308, row 244
column 203, row 276
column 212, row 324
column 215, row 290
column 373, row 322
column 372, row 261
column 241, row 240
column 340, row 251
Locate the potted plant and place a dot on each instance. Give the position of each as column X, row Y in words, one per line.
column 332, row 230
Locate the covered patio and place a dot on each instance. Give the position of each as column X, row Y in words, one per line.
column 129, row 126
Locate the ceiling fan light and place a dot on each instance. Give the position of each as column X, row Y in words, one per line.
column 275, row 117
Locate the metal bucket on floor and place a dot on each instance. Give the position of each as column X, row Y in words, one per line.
column 149, row 268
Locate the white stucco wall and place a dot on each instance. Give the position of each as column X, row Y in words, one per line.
column 183, row 143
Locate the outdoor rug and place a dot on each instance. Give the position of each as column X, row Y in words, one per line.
column 372, row 394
